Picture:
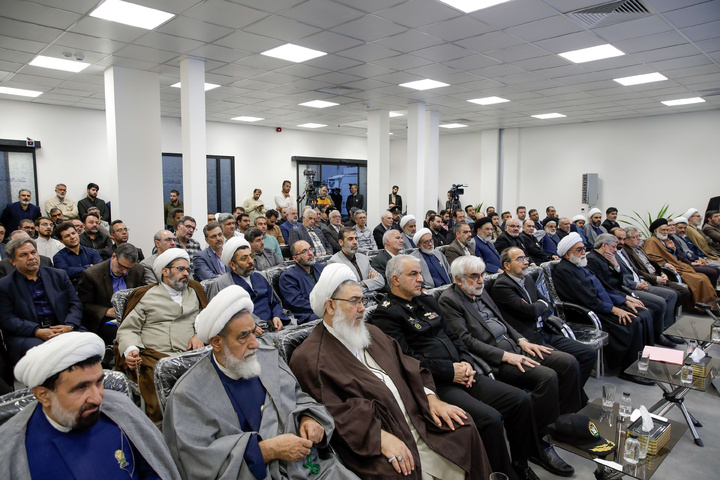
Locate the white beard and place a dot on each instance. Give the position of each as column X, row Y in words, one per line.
column 427, row 251
column 578, row 261
column 661, row 236
column 355, row 337
column 477, row 290
column 247, row 367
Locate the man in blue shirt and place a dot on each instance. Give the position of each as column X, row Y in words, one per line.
column 20, row 210
column 74, row 258
column 297, row 282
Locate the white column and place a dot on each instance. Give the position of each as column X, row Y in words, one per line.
column 132, row 110
column 491, row 176
column 432, row 159
column 192, row 78
column 378, row 166
column 415, row 202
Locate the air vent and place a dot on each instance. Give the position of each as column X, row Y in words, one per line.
column 709, row 93
column 610, row 13
column 338, row 90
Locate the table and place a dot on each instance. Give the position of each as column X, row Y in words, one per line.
column 693, row 328
column 611, row 429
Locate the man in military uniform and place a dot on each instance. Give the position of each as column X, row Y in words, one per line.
column 417, row 323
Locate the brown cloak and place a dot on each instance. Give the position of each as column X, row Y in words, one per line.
column 697, row 282
column 362, row 405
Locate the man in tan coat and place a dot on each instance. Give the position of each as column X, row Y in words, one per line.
column 159, row 321
column 694, row 231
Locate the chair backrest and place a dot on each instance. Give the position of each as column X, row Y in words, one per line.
column 118, row 300
column 553, row 296
column 206, row 283
column 442, row 248
column 372, row 253
column 409, row 251
column 288, row 339
column 169, row 369
column 435, row 292
column 12, row 403
column 324, row 259
column 272, row 275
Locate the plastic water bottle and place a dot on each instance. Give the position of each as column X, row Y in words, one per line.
column 631, row 454
column 686, row 375
column 625, row 406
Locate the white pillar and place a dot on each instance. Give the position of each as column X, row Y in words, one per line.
column 415, row 171
column 378, row 165
column 432, row 159
column 132, row 110
column 491, row 175
column 192, row 78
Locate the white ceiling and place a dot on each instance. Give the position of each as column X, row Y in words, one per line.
column 509, row 51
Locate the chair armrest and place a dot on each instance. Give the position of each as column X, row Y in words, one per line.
column 481, row 366
column 671, row 275
column 592, row 316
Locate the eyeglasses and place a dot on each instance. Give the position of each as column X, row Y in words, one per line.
column 521, row 259
column 181, row 269
column 306, row 251
column 125, row 268
column 245, row 258
column 353, row 301
column 578, row 249
column 474, row 276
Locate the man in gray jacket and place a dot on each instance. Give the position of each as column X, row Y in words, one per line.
column 370, row 280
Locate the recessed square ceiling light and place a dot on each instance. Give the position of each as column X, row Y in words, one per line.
column 683, row 101
column 247, row 119
column 396, row 114
column 208, row 86
column 468, row 6
column 424, row 84
column 545, row 116
column 19, row 91
column 318, row 104
column 638, row 79
column 488, row 100
column 312, row 125
column 59, row 64
column 131, row 14
column 293, row 53
column 593, row 53
column 453, row 125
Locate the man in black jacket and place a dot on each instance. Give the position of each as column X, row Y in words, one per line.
column 416, row 322
column 510, row 237
column 532, row 246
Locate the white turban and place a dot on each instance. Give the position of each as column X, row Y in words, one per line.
column 230, row 247
column 681, row 220
column 421, row 233
column 330, row 279
column 573, row 238
column 579, row 217
column 56, row 355
column 406, row 219
column 691, row 212
column 213, row 318
column 166, row 258
column 593, row 211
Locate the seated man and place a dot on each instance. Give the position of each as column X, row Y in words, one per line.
column 575, row 283
column 409, row 227
column 393, row 241
column 578, row 226
column 272, row 227
column 435, row 225
column 6, row 266
column 510, row 237
column 36, row 303
column 92, row 237
column 296, row 283
column 269, row 240
column 370, row 280
column 551, row 376
column 649, row 308
column 56, row 215
column 550, row 239
column 47, row 246
column 458, row 216
column 388, row 418
column 28, row 226
column 311, row 233
column 241, row 271
column 711, row 228
column 534, row 215
column 610, row 222
column 119, row 234
column 460, row 246
column 74, row 258
column 158, row 321
column 696, row 235
column 526, row 309
column 183, row 238
column 252, row 421
column 207, row 263
column 434, row 266
column 533, row 249
column 365, row 241
column 563, row 228
column 594, row 227
column 163, row 240
column 691, row 253
column 416, row 322
column 228, row 225
column 264, row 257
column 77, row 429
column 484, row 246
column 290, row 223
column 332, row 229
column 242, row 224
column 99, row 282
column 386, row 223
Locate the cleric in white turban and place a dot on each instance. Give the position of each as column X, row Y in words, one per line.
column 333, row 276
column 421, row 233
column 230, row 247
column 593, row 227
column 77, row 429
column 408, row 224
column 570, row 240
column 166, row 258
column 239, row 412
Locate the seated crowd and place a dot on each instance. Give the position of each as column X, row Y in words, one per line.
column 399, row 390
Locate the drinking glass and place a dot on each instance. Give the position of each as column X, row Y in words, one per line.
column 643, row 362
column 608, row 398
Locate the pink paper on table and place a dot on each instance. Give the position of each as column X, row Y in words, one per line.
column 666, row 355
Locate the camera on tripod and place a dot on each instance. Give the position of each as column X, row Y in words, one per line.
column 311, row 187
column 455, row 191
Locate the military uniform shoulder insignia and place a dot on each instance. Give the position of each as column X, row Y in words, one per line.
column 431, row 315
column 386, row 303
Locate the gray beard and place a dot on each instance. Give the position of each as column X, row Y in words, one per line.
column 355, row 337
column 178, row 285
column 578, row 261
column 661, row 236
column 247, row 367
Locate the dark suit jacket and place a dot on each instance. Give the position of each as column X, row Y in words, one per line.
column 604, row 271
column 106, row 253
column 489, row 254
column 534, row 250
column 609, row 225
column 379, row 263
column 454, row 251
column 398, row 200
column 331, row 235
column 95, row 291
column 573, row 287
column 301, row 233
column 354, row 201
column 506, row 241
column 17, row 310
column 519, row 311
column 379, row 231
column 467, row 323
column 6, row 267
column 640, row 266
column 205, row 266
